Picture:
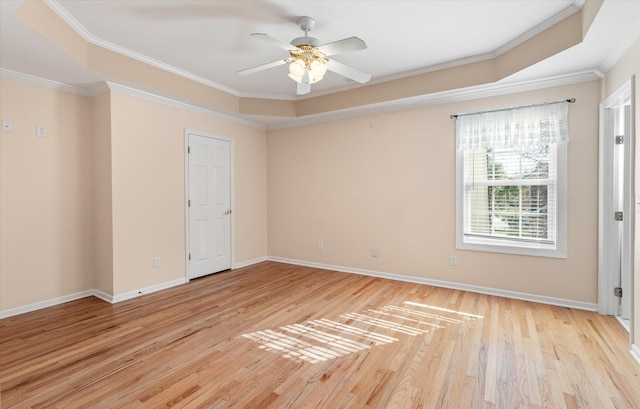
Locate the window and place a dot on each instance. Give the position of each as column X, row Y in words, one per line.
column 511, row 181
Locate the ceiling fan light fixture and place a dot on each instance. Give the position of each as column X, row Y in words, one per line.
column 308, row 62
column 314, row 67
column 296, row 70
column 318, row 69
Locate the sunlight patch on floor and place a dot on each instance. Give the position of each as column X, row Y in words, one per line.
column 442, row 309
column 323, row 339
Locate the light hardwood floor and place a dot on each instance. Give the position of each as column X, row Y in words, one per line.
column 280, row 336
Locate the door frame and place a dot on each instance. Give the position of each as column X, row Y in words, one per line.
column 607, row 280
column 231, row 142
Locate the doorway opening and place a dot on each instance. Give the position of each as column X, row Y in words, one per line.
column 616, row 206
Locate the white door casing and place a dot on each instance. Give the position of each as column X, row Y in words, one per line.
column 616, row 181
column 209, row 205
column 623, row 127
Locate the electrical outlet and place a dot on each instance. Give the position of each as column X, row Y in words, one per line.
column 156, row 262
column 374, row 252
column 320, row 246
column 453, row 260
column 41, row 130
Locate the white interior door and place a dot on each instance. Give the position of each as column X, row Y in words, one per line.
column 209, row 205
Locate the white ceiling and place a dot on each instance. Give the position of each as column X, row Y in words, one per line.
column 209, row 40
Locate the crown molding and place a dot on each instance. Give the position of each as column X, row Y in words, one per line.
column 60, row 86
column 182, row 105
column 90, row 38
column 99, row 89
column 439, row 98
column 275, row 97
column 31, row 79
column 105, row 86
column 569, row 11
column 407, row 74
column 274, row 123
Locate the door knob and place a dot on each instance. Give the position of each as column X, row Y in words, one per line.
column 228, row 211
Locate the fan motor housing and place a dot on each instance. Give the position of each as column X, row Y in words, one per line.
column 305, row 41
column 306, row 23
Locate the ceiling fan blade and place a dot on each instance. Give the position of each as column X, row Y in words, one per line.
column 349, row 72
column 261, row 67
column 274, row 41
column 343, row 46
column 303, row 86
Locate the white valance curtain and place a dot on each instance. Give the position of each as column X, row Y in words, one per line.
column 513, row 127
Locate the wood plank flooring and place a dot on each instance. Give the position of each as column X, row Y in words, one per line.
column 281, row 336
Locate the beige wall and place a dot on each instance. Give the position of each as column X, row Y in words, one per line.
column 45, row 195
column 148, row 187
column 626, row 67
column 91, row 204
column 102, row 221
column 388, row 181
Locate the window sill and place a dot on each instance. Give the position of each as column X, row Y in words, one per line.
column 510, row 247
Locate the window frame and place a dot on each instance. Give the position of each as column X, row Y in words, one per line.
column 515, row 246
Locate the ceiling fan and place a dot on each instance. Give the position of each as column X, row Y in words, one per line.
column 308, row 61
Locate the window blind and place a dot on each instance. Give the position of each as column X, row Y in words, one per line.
column 511, row 193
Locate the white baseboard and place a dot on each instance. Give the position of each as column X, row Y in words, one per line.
column 108, row 297
column 103, row 296
column 147, row 290
column 96, row 293
column 625, row 323
column 635, row 352
column 44, row 304
column 560, row 302
column 251, row 262
column 436, row 283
